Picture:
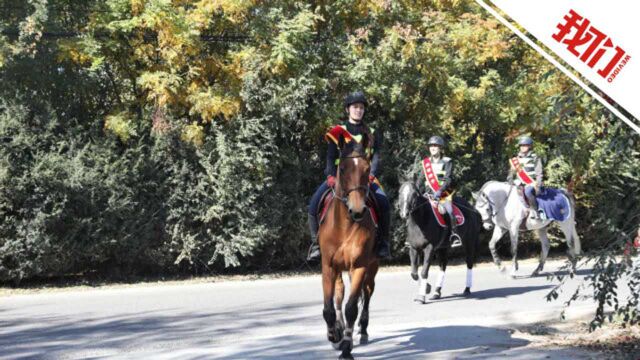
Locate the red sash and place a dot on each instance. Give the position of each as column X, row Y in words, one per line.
column 521, row 173
column 336, row 132
column 432, row 178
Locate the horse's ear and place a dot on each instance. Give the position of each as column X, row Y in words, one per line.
column 474, row 195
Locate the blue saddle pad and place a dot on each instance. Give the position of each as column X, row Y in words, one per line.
column 555, row 204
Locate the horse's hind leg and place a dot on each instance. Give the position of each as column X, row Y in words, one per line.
column 367, row 292
column 544, row 252
column 568, row 228
column 351, row 311
column 443, row 257
column 470, row 260
column 424, row 288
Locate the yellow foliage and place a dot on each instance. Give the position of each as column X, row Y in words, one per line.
column 160, row 86
column 121, row 125
column 193, row 133
column 202, row 13
column 211, row 103
column 137, row 6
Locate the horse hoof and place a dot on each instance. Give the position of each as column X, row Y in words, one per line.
column 435, row 296
column 466, row 292
column 345, row 357
column 536, row 272
column 502, row 269
column 420, row 299
column 345, row 345
column 414, row 276
column 336, row 345
column 364, row 339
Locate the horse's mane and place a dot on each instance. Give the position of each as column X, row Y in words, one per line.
column 491, row 182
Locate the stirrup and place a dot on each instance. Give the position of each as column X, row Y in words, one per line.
column 455, row 240
column 314, row 253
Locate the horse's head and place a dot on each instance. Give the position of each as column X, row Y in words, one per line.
column 484, row 207
column 407, row 197
column 353, row 177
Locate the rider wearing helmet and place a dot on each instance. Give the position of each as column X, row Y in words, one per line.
column 354, row 104
column 526, row 172
column 436, row 179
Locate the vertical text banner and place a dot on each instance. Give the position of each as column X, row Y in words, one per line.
column 599, row 39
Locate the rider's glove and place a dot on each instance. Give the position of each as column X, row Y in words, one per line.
column 331, row 181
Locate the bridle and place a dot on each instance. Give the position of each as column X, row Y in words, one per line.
column 492, row 205
column 345, row 198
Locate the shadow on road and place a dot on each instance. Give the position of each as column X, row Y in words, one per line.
column 56, row 336
column 416, row 343
column 494, row 293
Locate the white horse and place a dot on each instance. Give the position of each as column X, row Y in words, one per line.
column 503, row 211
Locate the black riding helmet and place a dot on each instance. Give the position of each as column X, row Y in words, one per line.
column 354, row 98
column 436, row 140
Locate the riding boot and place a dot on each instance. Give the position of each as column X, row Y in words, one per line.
column 533, row 208
column 383, row 249
column 314, row 249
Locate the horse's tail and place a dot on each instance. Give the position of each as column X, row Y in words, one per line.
column 575, row 238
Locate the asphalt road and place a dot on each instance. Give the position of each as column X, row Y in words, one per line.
column 282, row 319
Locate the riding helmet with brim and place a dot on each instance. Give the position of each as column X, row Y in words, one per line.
column 354, row 98
column 525, row 140
column 436, row 140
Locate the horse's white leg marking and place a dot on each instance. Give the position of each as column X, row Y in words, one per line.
column 423, row 286
column 469, row 278
column 440, row 281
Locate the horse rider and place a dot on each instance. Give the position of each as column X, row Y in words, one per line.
column 526, row 173
column 355, row 105
column 438, row 183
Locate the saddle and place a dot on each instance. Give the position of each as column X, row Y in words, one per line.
column 327, row 197
column 553, row 204
column 457, row 214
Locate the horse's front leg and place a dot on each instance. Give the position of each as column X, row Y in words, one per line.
column 424, row 288
column 498, row 232
column 369, row 286
column 339, row 295
column 413, row 255
column 351, row 311
column 544, row 251
column 513, row 235
column 444, row 259
column 329, row 311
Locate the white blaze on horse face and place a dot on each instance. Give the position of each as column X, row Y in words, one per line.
column 405, row 195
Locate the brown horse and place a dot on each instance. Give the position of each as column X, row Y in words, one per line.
column 347, row 239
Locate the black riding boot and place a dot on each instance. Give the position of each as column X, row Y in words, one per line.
column 455, row 239
column 383, row 249
column 314, row 249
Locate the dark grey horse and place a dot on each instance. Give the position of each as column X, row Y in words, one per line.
column 424, row 234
